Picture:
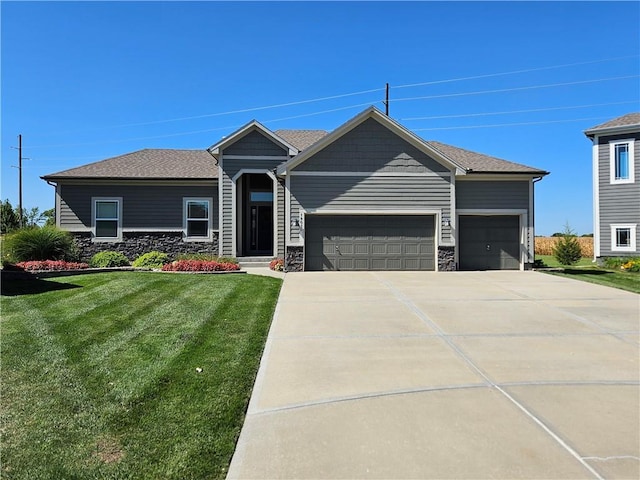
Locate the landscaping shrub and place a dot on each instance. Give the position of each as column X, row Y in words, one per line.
column 50, row 265
column 630, row 264
column 47, row 243
column 277, row 264
column 153, row 259
column 199, row 266
column 206, row 257
column 567, row 249
column 109, row 258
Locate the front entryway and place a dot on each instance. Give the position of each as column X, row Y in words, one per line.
column 258, row 215
column 489, row 242
column 370, row 242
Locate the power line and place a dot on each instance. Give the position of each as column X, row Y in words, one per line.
column 362, row 92
column 513, row 72
column 514, row 89
column 466, row 115
column 509, row 124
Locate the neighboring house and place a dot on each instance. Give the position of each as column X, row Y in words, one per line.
column 371, row 195
column 616, row 186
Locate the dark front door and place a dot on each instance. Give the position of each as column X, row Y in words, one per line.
column 260, row 230
column 258, row 226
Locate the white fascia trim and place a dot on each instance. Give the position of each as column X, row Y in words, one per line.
column 632, row 246
column 257, row 157
column 595, row 150
column 520, row 212
column 367, row 174
column 209, row 236
column 220, row 210
column 612, row 161
column 216, row 148
column 287, row 212
column 453, row 240
column 234, row 206
column 93, row 219
column 507, row 177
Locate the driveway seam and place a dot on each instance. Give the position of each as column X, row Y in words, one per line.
column 436, row 328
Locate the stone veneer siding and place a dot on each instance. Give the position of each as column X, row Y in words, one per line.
column 135, row 244
column 294, row 259
column 446, row 259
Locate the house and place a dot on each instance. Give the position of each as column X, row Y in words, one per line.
column 616, row 186
column 371, row 195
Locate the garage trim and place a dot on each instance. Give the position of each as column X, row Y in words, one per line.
column 522, row 213
column 436, row 213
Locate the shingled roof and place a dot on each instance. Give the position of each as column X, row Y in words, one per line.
column 475, row 162
column 624, row 122
column 301, row 139
column 147, row 164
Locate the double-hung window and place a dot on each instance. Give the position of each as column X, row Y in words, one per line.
column 107, row 218
column 197, row 218
column 623, row 237
column 622, row 162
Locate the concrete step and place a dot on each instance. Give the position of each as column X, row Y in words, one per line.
column 249, row 262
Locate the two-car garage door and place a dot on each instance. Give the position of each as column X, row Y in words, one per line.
column 369, row 242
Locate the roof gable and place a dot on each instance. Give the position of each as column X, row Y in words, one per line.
column 377, row 115
column 147, row 164
column 626, row 123
column 250, row 127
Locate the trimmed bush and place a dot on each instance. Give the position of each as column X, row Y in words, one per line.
column 206, row 257
column 47, row 243
column 567, row 250
column 50, row 265
column 199, row 266
column 153, row 259
column 108, row 259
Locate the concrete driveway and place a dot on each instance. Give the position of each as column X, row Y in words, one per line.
column 446, row 375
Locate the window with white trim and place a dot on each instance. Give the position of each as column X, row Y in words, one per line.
column 623, row 237
column 106, row 218
column 621, row 153
column 197, row 218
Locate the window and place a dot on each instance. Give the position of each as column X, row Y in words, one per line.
column 622, row 162
column 197, row 218
column 106, row 218
column 623, row 238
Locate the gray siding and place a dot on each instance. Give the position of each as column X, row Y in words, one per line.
column 492, row 194
column 350, row 193
column 371, row 147
column 143, row 206
column 229, row 169
column 619, row 203
column 254, row 143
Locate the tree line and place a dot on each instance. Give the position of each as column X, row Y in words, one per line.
column 32, row 218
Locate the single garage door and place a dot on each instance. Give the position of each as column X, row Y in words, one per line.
column 369, row 242
column 489, row 242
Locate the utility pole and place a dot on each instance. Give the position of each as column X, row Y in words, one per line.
column 386, row 101
column 20, row 219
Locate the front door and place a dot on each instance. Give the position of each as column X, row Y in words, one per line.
column 258, row 231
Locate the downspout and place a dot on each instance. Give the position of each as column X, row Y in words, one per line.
column 533, row 214
column 55, row 202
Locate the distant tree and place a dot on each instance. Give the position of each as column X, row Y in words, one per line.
column 567, row 250
column 32, row 218
column 557, row 234
column 8, row 217
column 590, row 235
column 50, row 217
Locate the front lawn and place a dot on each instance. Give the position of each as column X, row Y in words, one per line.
column 129, row 375
column 610, row 278
column 550, row 261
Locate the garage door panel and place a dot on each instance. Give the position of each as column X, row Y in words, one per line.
column 489, row 242
column 370, row 242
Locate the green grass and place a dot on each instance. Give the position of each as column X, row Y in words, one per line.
column 99, row 373
column 623, row 280
column 550, row 261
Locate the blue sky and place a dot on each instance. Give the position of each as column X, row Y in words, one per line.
column 86, row 81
